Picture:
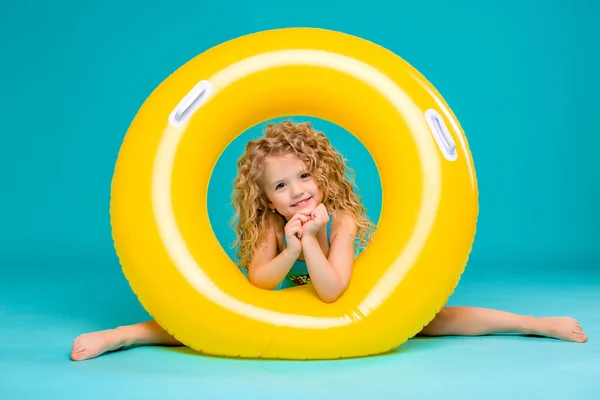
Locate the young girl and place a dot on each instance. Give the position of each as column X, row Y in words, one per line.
column 299, row 221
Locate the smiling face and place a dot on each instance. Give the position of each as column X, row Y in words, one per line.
column 289, row 187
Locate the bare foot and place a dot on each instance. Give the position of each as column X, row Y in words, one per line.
column 564, row 328
column 94, row 344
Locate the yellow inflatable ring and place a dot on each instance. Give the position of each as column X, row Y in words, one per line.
column 174, row 262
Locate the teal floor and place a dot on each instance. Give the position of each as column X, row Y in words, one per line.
column 44, row 305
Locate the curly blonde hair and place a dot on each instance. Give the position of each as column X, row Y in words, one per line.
column 325, row 164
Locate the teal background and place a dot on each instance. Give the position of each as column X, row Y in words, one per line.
column 522, row 78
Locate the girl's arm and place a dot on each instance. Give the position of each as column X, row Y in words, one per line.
column 267, row 269
column 331, row 276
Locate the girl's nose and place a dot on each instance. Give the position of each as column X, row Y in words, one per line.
column 296, row 190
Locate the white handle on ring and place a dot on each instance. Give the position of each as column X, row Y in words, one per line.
column 190, row 103
column 442, row 135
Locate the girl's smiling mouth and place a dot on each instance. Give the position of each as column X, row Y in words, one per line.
column 301, row 202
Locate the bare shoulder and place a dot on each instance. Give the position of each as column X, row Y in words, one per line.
column 342, row 223
column 268, row 245
column 275, row 226
column 274, row 221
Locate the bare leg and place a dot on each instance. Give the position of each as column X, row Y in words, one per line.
column 94, row 344
column 472, row 321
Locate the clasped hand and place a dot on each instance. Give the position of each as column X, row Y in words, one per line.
column 302, row 226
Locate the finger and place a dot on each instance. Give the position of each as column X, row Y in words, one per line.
column 319, row 214
column 298, row 220
column 301, row 217
column 296, row 224
column 323, row 212
column 290, row 229
column 293, row 228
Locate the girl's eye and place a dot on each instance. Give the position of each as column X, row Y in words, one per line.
column 305, row 175
column 279, row 186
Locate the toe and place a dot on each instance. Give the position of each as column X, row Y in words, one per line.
column 76, row 345
column 579, row 337
column 81, row 355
